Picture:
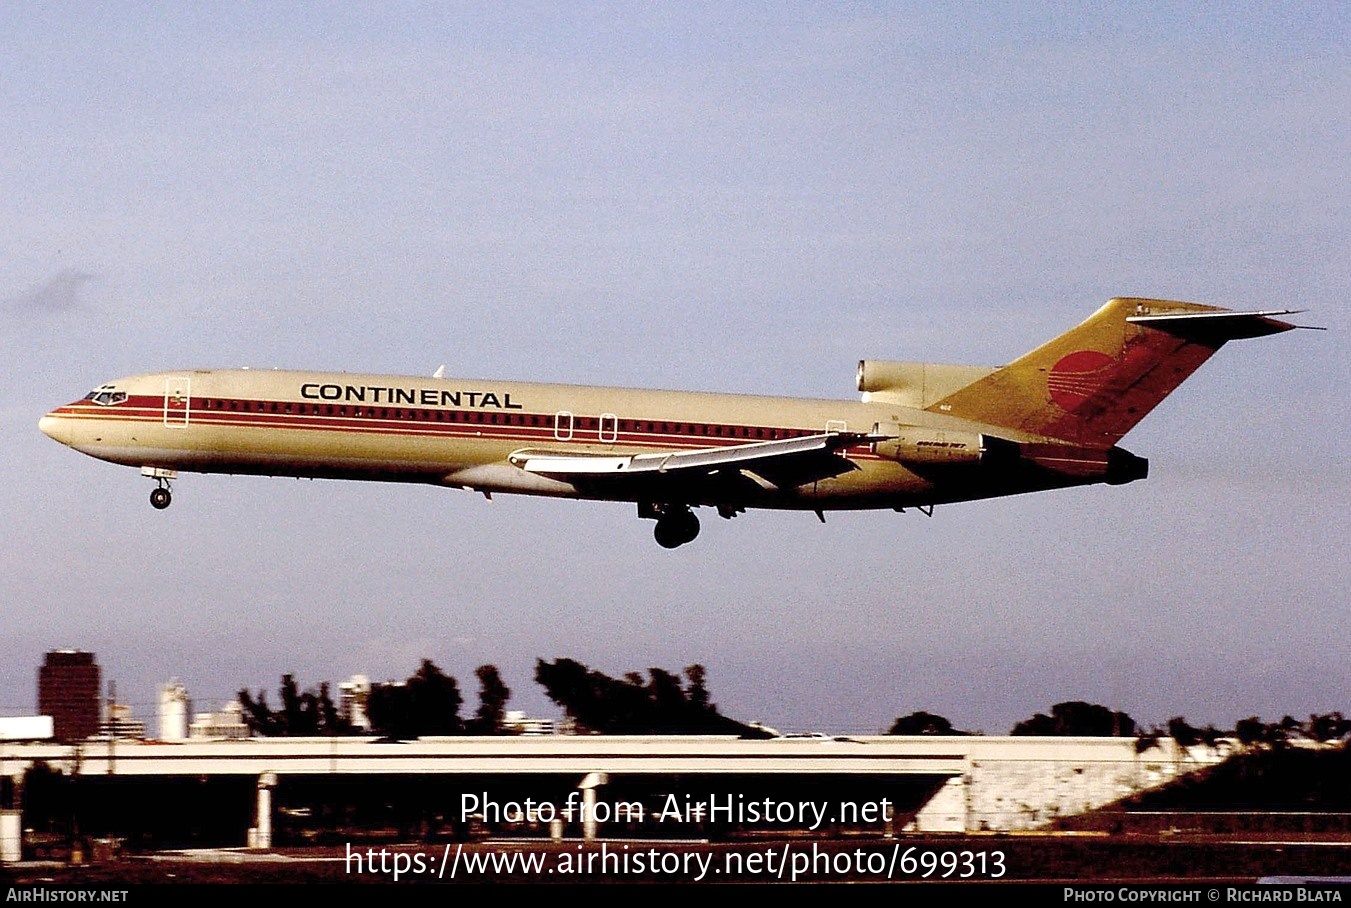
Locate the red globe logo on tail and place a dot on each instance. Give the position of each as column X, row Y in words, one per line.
column 1077, row 377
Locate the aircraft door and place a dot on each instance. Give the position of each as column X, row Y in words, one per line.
column 609, row 428
column 177, row 401
column 563, row 425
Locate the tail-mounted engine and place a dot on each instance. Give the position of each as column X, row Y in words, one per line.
column 908, row 444
column 916, row 446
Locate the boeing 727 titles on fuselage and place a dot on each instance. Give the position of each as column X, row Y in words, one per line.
column 923, row 434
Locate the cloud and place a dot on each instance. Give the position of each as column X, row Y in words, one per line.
column 61, row 293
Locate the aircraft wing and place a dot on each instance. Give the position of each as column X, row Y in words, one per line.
column 772, row 465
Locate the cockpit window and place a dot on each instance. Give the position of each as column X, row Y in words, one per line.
column 105, row 397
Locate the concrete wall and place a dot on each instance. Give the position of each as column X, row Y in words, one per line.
column 1026, row 783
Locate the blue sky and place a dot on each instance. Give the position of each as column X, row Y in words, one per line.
column 735, row 197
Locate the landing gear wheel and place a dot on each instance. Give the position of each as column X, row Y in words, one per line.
column 676, row 529
column 160, row 498
column 666, row 534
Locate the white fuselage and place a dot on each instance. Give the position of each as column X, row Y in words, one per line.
column 463, row 433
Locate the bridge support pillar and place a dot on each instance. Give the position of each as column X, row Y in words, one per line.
column 260, row 836
column 590, row 782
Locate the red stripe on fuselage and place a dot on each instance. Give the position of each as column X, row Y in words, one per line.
column 271, row 414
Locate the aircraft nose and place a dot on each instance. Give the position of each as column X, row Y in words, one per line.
column 55, row 427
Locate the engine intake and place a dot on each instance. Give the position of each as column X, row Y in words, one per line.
column 918, row 385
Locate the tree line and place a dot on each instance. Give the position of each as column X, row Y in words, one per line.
column 429, row 701
column 1078, row 718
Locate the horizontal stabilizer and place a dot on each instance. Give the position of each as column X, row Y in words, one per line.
column 1217, row 327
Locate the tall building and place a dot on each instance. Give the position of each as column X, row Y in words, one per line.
column 68, row 691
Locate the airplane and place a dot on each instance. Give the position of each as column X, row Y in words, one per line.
column 923, row 434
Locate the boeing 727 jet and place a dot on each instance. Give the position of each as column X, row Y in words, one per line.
column 923, row 434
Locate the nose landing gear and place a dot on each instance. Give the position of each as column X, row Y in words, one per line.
column 161, row 496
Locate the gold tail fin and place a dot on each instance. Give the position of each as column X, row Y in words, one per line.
column 1092, row 384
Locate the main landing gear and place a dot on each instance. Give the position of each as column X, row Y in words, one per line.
column 676, row 523
column 676, row 529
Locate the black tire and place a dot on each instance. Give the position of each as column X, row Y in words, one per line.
column 667, row 533
column 674, row 530
column 689, row 527
column 160, row 499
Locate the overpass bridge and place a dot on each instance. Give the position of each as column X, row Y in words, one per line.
column 891, row 784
